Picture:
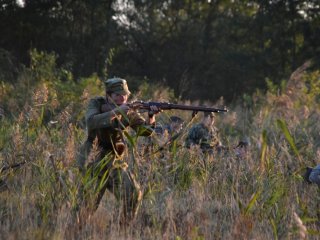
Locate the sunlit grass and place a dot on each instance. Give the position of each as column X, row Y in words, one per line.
column 186, row 194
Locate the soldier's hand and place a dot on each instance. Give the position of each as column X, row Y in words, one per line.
column 124, row 108
column 154, row 110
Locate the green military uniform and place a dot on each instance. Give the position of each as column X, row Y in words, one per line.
column 205, row 137
column 105, row 127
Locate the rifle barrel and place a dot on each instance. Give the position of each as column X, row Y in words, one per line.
column 196, row 108
column 169, row 106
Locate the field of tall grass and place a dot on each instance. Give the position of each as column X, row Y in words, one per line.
column 187, row 195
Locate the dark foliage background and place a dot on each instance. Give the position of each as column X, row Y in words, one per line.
column 200, row 49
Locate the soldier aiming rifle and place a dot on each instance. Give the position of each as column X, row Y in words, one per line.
column 107, row 118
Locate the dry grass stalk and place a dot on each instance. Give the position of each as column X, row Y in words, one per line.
column 17, row 139
column 302, row 229
column 95, row 151
column 242, row 228
column 41, row 95
column 70, row 151
column 65, row 116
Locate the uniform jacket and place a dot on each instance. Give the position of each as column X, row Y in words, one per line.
column 107, row 127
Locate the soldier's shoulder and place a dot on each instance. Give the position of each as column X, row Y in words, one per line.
column 197, row 127
column 195, row 130
column 98, row 99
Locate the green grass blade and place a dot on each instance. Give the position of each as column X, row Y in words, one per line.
column 283, row 126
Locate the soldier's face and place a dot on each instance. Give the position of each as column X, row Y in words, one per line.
column 118, row 98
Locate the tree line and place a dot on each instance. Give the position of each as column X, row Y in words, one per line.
column 201, row 49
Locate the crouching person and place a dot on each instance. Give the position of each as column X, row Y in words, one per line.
column 204, row 135
column 312, row 175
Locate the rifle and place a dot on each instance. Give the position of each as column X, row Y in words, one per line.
column 13, row 166
column 171, row 106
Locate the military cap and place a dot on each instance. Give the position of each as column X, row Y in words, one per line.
column 117, row 85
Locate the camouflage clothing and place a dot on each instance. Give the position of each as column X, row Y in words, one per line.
column 315, row 175
column 203, row 136
column 312, row 175
column 105, row 126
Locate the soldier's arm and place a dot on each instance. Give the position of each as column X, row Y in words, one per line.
column 95, row 119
